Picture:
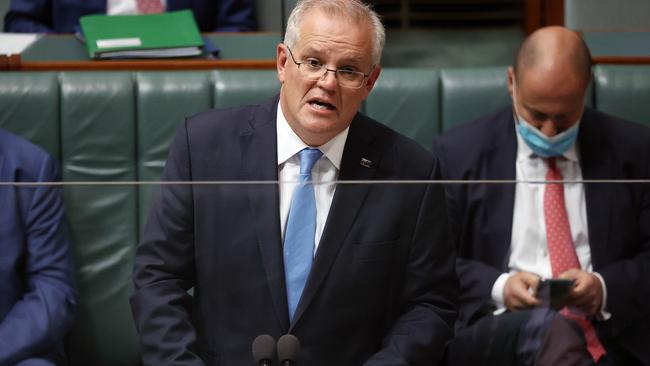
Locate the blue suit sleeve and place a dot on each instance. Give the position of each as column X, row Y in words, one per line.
column 235, row 16
column 29, row 16
column 37, row 323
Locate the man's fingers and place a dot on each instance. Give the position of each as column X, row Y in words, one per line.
column 517, row 291
column 523, row 300
column 526, row 296
column 587, row 292
column 530, row 279
column 571, row 274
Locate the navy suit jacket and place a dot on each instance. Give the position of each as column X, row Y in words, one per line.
column 618, row 215
column 382, row 289
column 37, row 296
column 62, row 16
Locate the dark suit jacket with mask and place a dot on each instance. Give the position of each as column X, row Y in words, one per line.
column 382, row 289
column 62, row 16
column 618, row 215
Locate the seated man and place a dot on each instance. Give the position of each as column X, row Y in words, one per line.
column 37, row 296
column 510, row 236
column 48, row 16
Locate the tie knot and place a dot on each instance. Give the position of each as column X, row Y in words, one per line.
column 308, row 158
column 551, row 163
column 553, row 172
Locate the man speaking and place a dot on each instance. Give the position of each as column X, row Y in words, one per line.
column 361, row 274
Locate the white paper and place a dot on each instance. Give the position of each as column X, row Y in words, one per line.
column 119, row 42
column 15, row 43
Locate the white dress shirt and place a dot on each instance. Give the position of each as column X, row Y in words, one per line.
column 125, row 7
column 528, row 246
column 324, row 173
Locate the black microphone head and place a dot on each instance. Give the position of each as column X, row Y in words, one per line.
column 288, row 348
column 263, row 349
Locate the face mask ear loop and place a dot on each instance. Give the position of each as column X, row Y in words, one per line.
column 514, row 99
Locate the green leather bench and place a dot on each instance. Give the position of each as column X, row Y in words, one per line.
column 116, row 127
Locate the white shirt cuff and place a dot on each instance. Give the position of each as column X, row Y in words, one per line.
column 604, row 314
column 497, row 293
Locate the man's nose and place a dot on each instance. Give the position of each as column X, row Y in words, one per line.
column 327, row 80
column 549, row 128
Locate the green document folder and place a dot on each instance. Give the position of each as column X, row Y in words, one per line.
column 173, row 34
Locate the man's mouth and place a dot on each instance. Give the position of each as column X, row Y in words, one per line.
column 321, row 104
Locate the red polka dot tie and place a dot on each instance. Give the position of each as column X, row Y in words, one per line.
column 561, row 250
column 149, row 6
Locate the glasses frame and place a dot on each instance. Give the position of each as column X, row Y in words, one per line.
column 335, row 71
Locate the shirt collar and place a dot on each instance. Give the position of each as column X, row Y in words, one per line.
column 289, row 144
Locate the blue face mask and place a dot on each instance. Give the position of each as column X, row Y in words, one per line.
column 543, row 145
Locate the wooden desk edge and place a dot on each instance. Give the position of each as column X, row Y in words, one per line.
column 9, row 62
column 160, row 65
column 13, row 63
column 621, row 60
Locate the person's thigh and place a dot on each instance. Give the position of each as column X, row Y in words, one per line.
column 524, row 338
column 492, row 340
column 36, row 362
column 562, row 344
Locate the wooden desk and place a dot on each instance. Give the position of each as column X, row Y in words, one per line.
column 65, row 52
column 618, row 47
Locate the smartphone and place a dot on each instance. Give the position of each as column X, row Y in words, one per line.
column 554, row 292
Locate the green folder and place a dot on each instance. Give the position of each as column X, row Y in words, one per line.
column 172, row 34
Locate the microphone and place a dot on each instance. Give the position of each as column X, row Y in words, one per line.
column 288, row 348
column 264, row 350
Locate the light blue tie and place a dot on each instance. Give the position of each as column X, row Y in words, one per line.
column 301, row 228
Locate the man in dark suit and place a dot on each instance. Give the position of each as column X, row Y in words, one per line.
column 37, row 295
column 62, row 16
column 376, row 284
column 508, row 235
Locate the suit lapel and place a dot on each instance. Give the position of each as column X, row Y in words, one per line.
column 596, row 163
column 259, row 158
column 346, row 203
column 500, row 198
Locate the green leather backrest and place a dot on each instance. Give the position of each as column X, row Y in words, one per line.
column 117, row 126
column 624, row 91
column 470, row 93
column 164, row 100
column 98, row 144
column 407, row 100
column 29, row 106
column 239, row 87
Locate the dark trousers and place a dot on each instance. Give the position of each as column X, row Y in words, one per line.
column 517, row 339
column 538, row 337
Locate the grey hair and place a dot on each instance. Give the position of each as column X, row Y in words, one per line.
column 355, row 10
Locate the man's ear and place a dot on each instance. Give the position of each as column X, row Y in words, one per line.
column 281, row 61
column 511, row 79
column 372, row 79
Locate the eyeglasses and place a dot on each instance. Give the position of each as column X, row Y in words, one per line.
column 314, row 70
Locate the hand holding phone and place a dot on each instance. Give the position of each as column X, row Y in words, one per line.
column 554, row 292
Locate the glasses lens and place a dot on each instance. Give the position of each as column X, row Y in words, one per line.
column 312, row 71
column 316, row 71
column 348, row 79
